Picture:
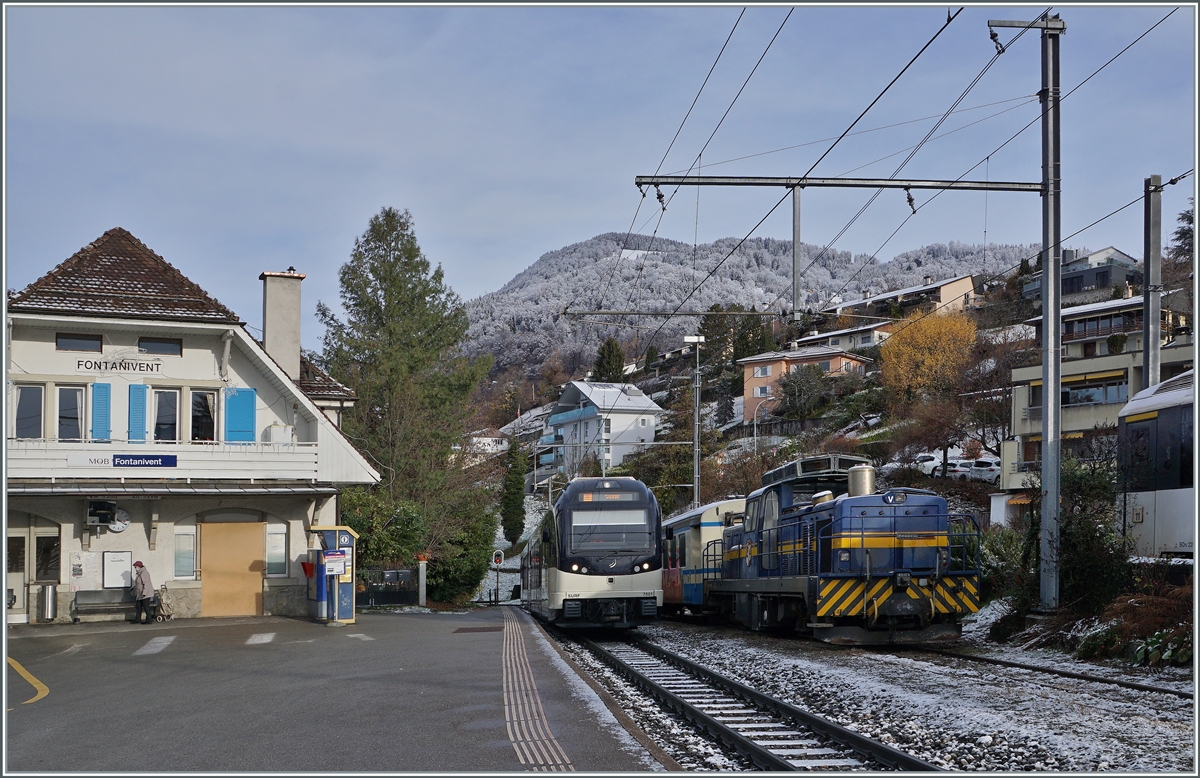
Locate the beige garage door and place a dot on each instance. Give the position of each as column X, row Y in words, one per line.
column 231, row 569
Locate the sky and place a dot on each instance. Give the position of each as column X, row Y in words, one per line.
column 234, row 139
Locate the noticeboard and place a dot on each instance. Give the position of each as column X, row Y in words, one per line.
column 117, row 569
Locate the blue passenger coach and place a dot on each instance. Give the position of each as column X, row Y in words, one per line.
column 684, row 540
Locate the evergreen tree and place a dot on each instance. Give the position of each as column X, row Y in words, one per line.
column 512, row 500
column 398, row 349
column 724, row 405
column 610, row 363
column 651, row 355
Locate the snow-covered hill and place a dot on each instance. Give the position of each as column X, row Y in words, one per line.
column 523, row 323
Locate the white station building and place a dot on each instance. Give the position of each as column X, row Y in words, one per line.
column 145, row 423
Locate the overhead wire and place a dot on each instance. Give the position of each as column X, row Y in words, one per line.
column 671, row 145
column 950, row 18
column 997, row 276
column 988, row 157
column 860, row 132
column 824, row 250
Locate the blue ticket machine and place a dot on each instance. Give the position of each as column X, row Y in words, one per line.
column 331, row 574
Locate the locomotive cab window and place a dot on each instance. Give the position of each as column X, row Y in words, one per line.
column 618, row 526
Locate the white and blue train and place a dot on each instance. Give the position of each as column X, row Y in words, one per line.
column 1155, row 434
column 596, row 560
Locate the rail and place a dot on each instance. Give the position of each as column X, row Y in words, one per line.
column 739, row 722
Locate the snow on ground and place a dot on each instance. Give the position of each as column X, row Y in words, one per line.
column 510, row 571
column 959, row 714
column 975, row 638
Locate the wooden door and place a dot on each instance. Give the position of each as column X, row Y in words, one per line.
column 231, row 569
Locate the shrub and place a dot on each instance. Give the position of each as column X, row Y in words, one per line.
column 1167, row 646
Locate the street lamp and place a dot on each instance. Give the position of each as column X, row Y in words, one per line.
column 697, row 340
column 758, row 408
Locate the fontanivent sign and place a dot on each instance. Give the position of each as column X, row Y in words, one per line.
column 117, row 366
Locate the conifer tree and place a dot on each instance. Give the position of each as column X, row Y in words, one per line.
column 512, row 500
column 398, row 349
column 610, row 363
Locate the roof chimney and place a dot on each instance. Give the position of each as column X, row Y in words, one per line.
column 928, row 280
column 281, row 318
column 866, row 294
column 1068, row 256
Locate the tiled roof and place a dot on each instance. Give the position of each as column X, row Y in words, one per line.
column 118, row 276
column 319, row 385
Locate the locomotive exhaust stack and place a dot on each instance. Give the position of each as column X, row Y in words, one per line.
column 862, row 480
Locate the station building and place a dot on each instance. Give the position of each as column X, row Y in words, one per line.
column 144, row 422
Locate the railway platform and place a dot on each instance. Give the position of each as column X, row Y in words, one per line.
column 479, row 691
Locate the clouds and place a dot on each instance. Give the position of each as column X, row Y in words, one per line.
column 234, row 140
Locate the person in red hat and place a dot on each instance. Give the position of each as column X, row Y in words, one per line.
column 143, row 593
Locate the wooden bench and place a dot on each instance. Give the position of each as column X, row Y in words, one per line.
column 103, row 601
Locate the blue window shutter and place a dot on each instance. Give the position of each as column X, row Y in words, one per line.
column 239, row 414
column 101, row 418
column 137, row 412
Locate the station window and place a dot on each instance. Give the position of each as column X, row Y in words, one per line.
column 28, row 422
column 204, row 416
column 15, row 554
column 166, row 415
column 185, row 552
column 70, row 413
column 68, row 342
column 46, row 549
column 170, row 347
column 276, row 550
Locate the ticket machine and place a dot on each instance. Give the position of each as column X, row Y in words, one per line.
column 331, row 570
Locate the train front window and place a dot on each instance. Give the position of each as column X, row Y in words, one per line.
column 619, row 530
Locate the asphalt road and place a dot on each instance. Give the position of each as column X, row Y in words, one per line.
column 394, row 692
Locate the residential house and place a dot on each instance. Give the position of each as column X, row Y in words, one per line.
column 1097, row 380
column 951, row 294
column 599, row 420
column 145, row 423
column 761, row 371
column 861, row 336
column 1091, row 275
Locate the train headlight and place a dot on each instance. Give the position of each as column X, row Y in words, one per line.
column 843, row 556
column 575, row 568
column 584, row 570
column 942, row 555
column 645, row 565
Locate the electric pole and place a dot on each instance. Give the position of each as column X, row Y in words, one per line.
column 695, row 340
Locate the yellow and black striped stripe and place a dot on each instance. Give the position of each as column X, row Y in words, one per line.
column 855, row 596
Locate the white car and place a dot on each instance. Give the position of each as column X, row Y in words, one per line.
column 927, row 463
column 987, row 470
column 956, row 469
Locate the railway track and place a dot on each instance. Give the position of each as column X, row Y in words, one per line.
column 1064, row 673
column 772, row 734
column 1022, row 666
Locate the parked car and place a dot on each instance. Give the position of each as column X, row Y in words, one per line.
column 959, row 470
column 987, row 470
column 927, row 463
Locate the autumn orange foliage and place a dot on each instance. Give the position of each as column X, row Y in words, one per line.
column 926, row 356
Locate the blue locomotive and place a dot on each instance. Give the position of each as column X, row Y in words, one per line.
column 595, row 562
column 861, row 568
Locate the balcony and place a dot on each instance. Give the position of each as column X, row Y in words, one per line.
column 550, row 440
column 1134, row 326
column 56, row 459
column 569, row 416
